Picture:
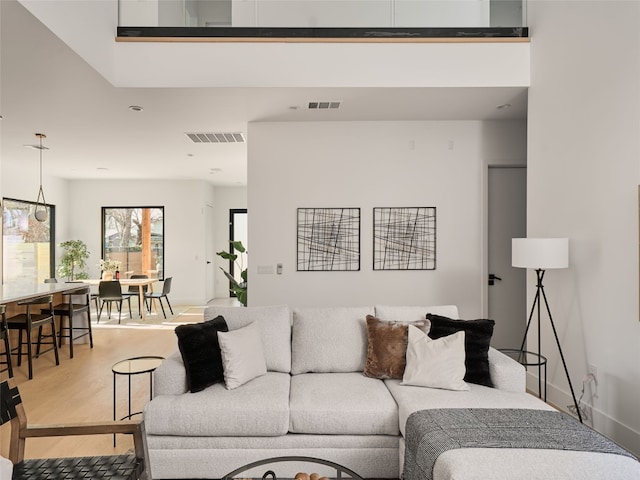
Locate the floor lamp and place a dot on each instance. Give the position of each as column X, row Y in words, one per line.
column 542, row 254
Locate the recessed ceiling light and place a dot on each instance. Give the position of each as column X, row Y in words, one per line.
column 215, row 170
column 293, row 107
column 135, row 108
column 504, row 106
column 102, row 169
column 189, row 154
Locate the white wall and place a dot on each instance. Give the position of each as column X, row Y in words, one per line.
column 583, row 176
column 184, row 211
column 366, row 165
column 267, row 64
column 225, row 199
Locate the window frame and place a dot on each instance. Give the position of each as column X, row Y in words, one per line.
column 51, row 210
column 161, row 272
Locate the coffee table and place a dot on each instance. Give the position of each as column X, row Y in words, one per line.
column 268, row 469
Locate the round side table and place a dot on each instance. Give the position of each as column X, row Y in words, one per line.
column 531, row 359
column 130, row 367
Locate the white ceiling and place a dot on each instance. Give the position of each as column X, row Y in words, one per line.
column 91, row 133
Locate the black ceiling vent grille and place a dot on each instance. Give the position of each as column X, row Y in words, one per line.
column 324, row 105
column 217, row 137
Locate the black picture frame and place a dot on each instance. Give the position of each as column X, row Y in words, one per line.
column 404, row 238
column 328, row 239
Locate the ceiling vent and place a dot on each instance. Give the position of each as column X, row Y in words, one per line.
column 224, row 137
column 324, row 105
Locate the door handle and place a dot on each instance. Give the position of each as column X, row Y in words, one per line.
column 492, row 278
column 208, row 262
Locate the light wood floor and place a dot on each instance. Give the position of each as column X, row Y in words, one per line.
column 81, row 389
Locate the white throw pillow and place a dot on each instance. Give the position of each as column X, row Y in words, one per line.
column 435, row 363
column 242, row 355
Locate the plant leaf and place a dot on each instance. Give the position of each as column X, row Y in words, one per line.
column 237, row 245
column 228, row 256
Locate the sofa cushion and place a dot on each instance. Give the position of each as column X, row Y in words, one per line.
column 341, row 404
column 411, row 313
column 257, row 408
column 387, row 347
column 329, row 339
column 198, row 344
column 435, row 363
column 242, row 355
column 477, row 339
column 275, row 330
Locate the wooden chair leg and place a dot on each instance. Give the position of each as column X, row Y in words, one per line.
column 89, row 325
column 55, row 344
column 30, row 354
column 20, row 347
column 62, row 317
column 70, row 336
column 39, row 340
column 7, row 350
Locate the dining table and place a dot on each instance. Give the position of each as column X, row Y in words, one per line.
column 131, row 282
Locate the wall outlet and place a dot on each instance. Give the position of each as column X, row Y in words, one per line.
column 592, row 379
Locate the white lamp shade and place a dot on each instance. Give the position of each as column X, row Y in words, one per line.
column 542, row 253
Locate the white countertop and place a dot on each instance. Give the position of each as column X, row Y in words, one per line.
column 14, row 292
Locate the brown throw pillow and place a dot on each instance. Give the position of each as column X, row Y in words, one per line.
column 387, row 347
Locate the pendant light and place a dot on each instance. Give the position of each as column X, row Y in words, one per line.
column 40, row 212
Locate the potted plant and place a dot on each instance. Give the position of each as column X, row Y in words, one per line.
column 238, row 288
column 74, row 260
column 109, row 268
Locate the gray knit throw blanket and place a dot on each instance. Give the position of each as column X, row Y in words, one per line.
column 432, row 432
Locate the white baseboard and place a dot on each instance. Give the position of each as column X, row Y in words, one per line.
column 622, row 434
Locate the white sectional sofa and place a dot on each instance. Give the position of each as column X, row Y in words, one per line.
column 315, row 401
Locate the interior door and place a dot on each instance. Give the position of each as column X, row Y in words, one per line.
column 210, row 253
column 507, row 216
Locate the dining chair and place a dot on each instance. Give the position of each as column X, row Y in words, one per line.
column 4, row 336
column 166, row 289
column 76, row 301
column 134, row 290
column 26, row 322
column 133, row 465
column 110, row 291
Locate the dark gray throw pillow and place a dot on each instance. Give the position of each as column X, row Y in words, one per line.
column 198, row 344
column 476, row 344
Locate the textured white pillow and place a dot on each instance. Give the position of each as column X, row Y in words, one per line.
column 275, row 329
column 242, row 355
column 435, row 363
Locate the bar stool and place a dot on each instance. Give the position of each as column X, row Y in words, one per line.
column 67, row 310
column 4, row 335
column 26, row 322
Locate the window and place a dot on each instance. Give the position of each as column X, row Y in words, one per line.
column 28, row 245
column 135, row 237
